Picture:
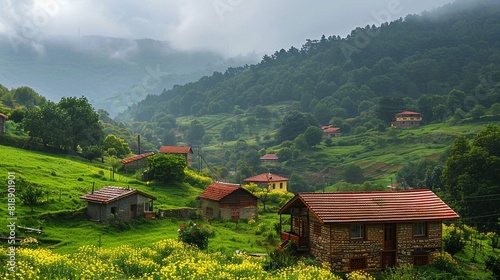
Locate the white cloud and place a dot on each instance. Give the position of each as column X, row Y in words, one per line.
column 229, row 26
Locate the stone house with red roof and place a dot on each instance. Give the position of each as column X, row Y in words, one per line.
column 186, row 151
column 407, row 119
column 136, row 162
column 115, row 203
column 227, row 201
column 273, row 182
column 3, row 121
column 366, row 230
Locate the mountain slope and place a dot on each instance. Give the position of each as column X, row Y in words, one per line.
column 112, row 73
column 453, row 47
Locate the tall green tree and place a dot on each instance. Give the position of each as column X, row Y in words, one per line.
column 313, row 136
column 293, row 124
column 470, row 176
column 196, row 132
column 167, row 168
column 84, row 128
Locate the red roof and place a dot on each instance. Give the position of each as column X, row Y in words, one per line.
column 176, row 150
column 269, row 157
column 331, row 130
column 4, row 116
column 264, row 178
column 380, row 206
column 407, row 113
column 137, row 157
column 218, row 190
column 109, row 194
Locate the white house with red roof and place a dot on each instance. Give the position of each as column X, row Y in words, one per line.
column 273, row 182
column 270, row 159
column 366, row 230
column 116, row 203
column 330, row 131
column 227, row 201
column 186, row 151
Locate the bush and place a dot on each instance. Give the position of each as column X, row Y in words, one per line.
column 493, row 264
column 195, row 234
column 453, row 241
column 445, row 262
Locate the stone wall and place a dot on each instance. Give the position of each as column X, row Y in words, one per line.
column 332, row 243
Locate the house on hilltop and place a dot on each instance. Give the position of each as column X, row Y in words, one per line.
column 136, row 162
column 273, row 182
column 407, row 119
column 366, row 230
column 118, row 204
column 3, row 121
column 330, row 131
column 186, row 151
column 269, row 159
column 227, row 201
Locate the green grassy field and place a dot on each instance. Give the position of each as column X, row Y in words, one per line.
column 64, row 178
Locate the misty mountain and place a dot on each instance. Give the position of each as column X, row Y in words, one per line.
column 112, row 73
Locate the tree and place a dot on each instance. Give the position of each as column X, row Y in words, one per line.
column 49, row 123
column 195, row 234
column 167, row 168
column 313, row 136
column 91, row 152
column 196, row 132
column 251, row 122
column 353, row 174
column 477, row 112
column 115, row 146
column 30, row 194
column 293, row 124
column 84, row 127
column 470, row 177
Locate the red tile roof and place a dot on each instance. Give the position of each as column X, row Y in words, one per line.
column 408, row 113
column 380, row 206
column 269, row 157
column 110, row 194
column 136, row 157
column 331, row 130
column 176, row 150
column 264, row 178
column 218, row 190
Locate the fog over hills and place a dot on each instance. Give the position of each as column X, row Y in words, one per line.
column 112, row 73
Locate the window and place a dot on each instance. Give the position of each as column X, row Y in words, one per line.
column 113, row 210
column 420, row 229
column 358, row 263
column 281, row 185
column 357, row 231
column 146, row 206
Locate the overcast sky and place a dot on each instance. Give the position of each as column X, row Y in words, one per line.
column 231, row 27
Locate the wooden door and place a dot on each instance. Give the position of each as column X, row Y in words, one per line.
column 235, row 214
column 133, row 211
column 390, row 245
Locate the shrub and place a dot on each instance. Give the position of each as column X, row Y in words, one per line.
column 493, row 264
column 445, row 262
column 453, row 241
column 195, row 234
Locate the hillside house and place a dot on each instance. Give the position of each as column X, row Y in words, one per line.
column 136, row 162
column 366, row 230
column 329, row 131
column 407, row 119
column 269, row 159
column 186, row 151
column 273, row 182
column 227, row 201
column 115, row 203
column 3, row 121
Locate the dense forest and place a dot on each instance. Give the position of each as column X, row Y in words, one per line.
column 441, row 63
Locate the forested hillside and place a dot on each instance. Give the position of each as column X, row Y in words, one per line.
column 413, row 63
